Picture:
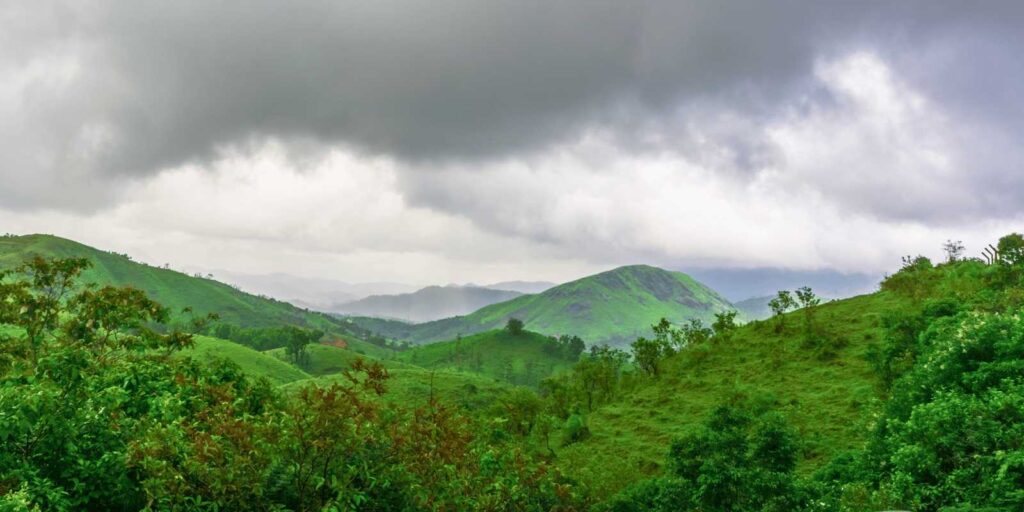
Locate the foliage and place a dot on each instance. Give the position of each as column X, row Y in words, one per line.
column 954, row 250
column 724, row 325
column 736, row 460
column 514, row 326
column 100, row 411
column 779, row 305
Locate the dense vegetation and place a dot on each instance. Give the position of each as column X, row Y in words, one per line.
column 909, row 398
column 99, row 410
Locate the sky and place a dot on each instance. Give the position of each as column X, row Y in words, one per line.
column 467, row 141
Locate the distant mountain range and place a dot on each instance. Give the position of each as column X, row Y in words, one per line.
column 612, row 307
column 426, row 304
column 524, row 287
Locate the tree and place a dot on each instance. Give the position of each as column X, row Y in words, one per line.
column 808, row 303
column 724, row 325
column 1010, row 269
column 954, row 250
column 647, row 354
column 575, row 347
column 1011, row 249
column 297, row 341
column 514, row 326
column 694, row 333
column 782, row 303
column 737, row 461
column 596, row 376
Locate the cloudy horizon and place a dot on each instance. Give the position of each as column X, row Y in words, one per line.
column 458, row 141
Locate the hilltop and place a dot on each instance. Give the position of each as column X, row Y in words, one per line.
column 612, row 307
column 173, row 289
column 426, row 304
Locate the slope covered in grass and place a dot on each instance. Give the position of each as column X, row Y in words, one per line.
column 612, row 307
column 170, row 288
column 824, row 395
column 257, row 364
column 521, row 359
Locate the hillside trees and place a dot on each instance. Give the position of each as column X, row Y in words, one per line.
column 954, row 250
column 724, row 325
column 297, row 340
column 99, row 411
column 779, row 305
column 739, row 459
column 648, row 353
column 514, row 326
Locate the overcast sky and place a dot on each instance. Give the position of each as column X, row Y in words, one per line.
column 454, row 141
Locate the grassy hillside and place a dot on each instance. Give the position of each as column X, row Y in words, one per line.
column 168, row 287
column 257, row 364
column 612, row 307
column 826, row 398
column 522, row 359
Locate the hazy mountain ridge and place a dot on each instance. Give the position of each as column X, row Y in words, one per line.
column 426, row 304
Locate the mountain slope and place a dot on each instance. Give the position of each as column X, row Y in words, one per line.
column 426, row 304
column 170, row 288
column 611, row 307
column 826, row 398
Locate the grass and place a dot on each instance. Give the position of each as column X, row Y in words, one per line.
column 522, row 359
column 825, row 398
column 252, row 362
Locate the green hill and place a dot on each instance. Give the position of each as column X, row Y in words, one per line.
column 170, row 288
column 612, row 307
column 825, row 398
column 257, row 364
column 522, row 359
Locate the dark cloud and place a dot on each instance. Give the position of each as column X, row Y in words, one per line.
column 109, row 90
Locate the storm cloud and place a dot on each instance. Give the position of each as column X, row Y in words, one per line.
column 621, row 130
